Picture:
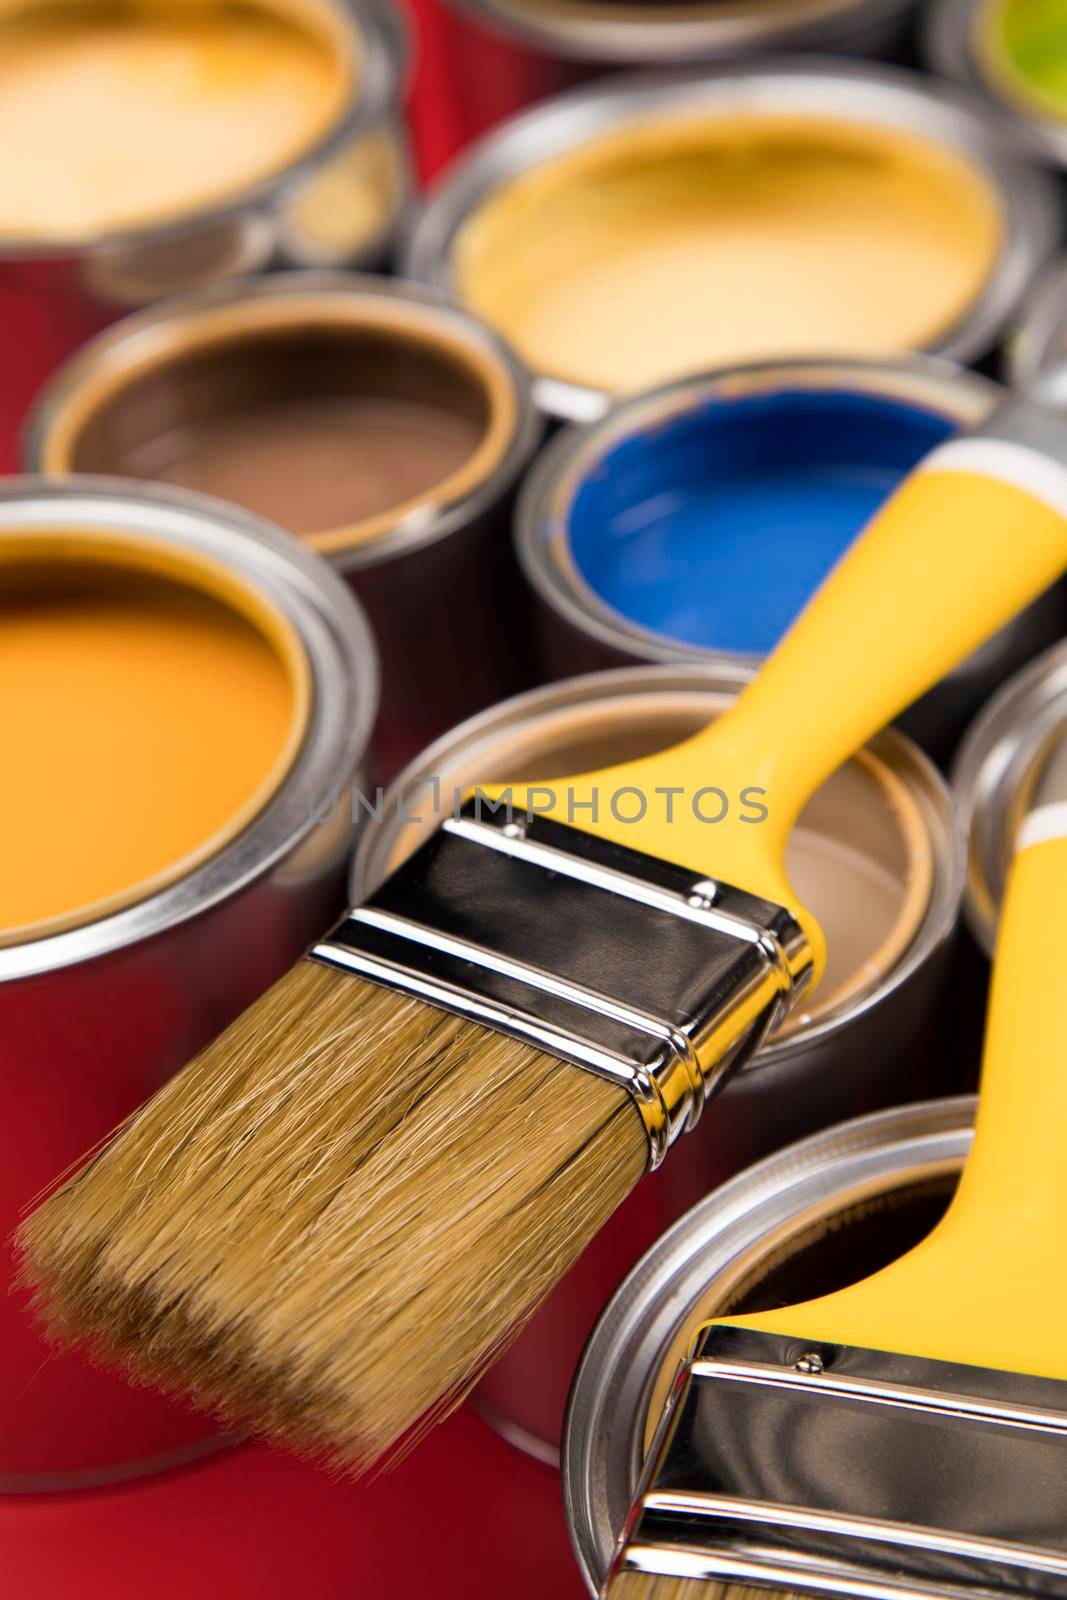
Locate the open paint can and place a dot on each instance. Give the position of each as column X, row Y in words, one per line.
column 378, row 421
column 505, row 55
column 150, row 148
column 648, row 228
column 183, row 689
column 1013, row 759
column 878, row 856
column 1014, row 54
column 694, row 523
column 819, row 1216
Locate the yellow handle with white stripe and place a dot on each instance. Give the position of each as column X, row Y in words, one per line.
column 965, row 543
column 989, row 1286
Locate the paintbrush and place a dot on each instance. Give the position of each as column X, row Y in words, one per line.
column 906, row 1436
column 327, row 1225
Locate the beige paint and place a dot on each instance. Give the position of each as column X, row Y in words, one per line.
column 114, row 116
column 860, row 855
column 670, row 247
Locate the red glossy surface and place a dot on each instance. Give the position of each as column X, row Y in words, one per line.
column 464, row 1518
column 434, row 112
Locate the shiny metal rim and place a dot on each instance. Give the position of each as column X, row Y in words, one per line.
column 603, row 1433
column 634, row 34
column 995, row 764
column 381, row 47
column 884, row 96
column 930, row 791
column 421, row 527
column 1039, row 341
column 344, row 672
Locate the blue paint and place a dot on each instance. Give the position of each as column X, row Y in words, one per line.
column 715, row 528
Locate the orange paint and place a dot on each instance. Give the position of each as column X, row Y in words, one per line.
column 149, row 706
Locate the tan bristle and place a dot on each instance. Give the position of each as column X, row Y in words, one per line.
column 651, row 1586
column 330, row 1221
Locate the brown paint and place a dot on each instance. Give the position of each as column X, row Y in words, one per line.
column 335, row 426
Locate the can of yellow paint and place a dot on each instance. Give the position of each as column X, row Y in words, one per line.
column 877, row 855
column 184, row 690
column 693, row 523
column 153, row 148
column 379, row 421
column 652, row 227
column 820, row 1215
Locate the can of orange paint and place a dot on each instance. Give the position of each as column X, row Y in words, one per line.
column 813, row 1219
column 184, row 689
column 878, row 856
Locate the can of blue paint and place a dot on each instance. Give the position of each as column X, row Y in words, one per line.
column 693, row 523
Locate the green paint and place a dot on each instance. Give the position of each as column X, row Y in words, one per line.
column 1026, row 43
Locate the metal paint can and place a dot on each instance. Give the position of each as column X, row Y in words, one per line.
column 1038, row 342
column 261, row 364
column 506, row 55
column 601, row 527
column 851, row 1053
column 99, row 1005
column 337, row 204
column 1014, row 757
column 1006, row 52
column 820, row 1215
column 582, row 153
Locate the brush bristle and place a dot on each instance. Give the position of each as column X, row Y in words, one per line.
column 651, row 1586
column 336, row 1216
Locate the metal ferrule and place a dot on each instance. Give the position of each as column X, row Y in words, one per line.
column 835, row 1470
column 616, row 961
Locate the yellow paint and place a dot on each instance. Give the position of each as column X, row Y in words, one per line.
column 113, row 116
column 987, row 1286
column 150, row 704
column 673, row 247
column 949, row 559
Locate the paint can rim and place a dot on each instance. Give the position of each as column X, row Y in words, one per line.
column 951, row 47
column 379, row 44
column 542, row 511
column 344, row 676
column 635, row 33
column 994, row 775
column 903, row 759
column 147, row 340
column 823, row 87
column 604, row 1428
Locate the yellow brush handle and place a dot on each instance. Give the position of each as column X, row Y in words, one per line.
column 989, row 1286
column 950, row 558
